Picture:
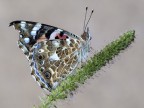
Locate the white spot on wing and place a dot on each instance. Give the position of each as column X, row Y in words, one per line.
column 33, row 33
column 40, row 50
column 20, row 36
column 68, row 41
column 54, row 57
column 23, row 24
column 37, row 27
column 26, row 40
column 54, row 34
column 56, row 43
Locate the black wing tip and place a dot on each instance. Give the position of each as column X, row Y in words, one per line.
column 30, row 22
column 14, row 22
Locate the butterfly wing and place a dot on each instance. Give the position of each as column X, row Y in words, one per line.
column 53, row 60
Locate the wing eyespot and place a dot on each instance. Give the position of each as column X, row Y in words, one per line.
column 40, row 57
column 47, row 75
column 42, row 69
column 40, row 51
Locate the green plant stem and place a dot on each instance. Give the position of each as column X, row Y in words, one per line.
column 93, row 64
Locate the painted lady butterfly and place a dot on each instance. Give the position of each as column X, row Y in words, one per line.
column 53, row 53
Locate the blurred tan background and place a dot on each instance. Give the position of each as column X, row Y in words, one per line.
column 118, row 85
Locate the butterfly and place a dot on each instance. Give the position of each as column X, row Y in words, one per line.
column 53, row 53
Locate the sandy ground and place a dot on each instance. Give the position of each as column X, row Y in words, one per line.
column 118, row 85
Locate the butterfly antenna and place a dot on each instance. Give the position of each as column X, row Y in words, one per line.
column 85, row 18
column 88, row 20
